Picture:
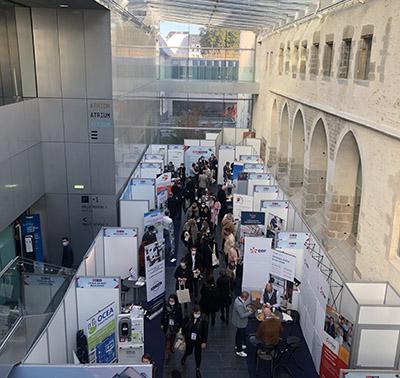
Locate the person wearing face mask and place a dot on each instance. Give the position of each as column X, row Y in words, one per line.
column 67, row 255
column 183, row 276
column 193, row 212
column 195, row 263
column 171, row 323
column 240, row 319
column 195, row 331
column 204, row 213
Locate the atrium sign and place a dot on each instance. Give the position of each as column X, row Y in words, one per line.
column 99, row 114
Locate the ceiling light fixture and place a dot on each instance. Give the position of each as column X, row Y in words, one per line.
column 64, row 6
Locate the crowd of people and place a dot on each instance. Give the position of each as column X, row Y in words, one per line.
column 209, row 239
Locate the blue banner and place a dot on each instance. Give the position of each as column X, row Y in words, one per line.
column 30, row 225
column 252, row 218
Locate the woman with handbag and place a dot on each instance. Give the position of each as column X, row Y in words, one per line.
column 171, row 323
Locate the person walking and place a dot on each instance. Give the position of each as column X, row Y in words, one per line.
column 229, row 244
column 171, row 323
column 225, row 288
column 240, row 319
column 195, row 263
column 195, row 331
column 67, row 255
column 209, row 301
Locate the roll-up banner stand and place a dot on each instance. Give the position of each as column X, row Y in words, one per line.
column 176, row 154
column 98, row 303
column 163, row 188
column 257, row 179
column 154, row 218
column 120, row 251
column 249, row 158
column 226, row 153
column 283, row 265
column 252, row 224
column 257, row 263
column 143, row 189
column 150, row 170
column 278, row 209
column 241, row 203
column 193, row 153
column 264, row 192
column 155, row 272
column 253, row 167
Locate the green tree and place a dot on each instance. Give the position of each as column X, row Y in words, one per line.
column 219, row 38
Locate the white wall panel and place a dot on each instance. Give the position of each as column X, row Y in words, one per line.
column 54, row 167
column 75, row 120
column 72, row 52
column 36, row 176
column 51, row 123
column 71, row 317
column 56, row 337
column 47, row 57
column 20, row 177
column 78, row 167
column 102, row 168
column 40, row 353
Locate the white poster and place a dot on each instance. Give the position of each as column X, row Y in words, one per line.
column 283, row 265
column 154, row 218
column 150, row 170
column 253, row 167
column 155, row 270
column 292, row 240
column 175, row 155
column 277, row 208
column 257, row 262
column 241, row 202
column 262, row 193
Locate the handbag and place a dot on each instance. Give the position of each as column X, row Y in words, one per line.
column 183, row 295
column 180, row 344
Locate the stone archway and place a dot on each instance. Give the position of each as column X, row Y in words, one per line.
column 315, row 171
column 274, row 125
column 344, row 194
column 283, row 147
column 297, row 146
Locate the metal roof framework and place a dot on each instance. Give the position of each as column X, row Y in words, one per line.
column 253, row 15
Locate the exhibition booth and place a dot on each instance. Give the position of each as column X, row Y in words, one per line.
column 346, row 325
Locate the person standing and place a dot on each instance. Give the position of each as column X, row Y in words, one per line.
column 67, row 255
column 203, row 183
column 209, row 301
column 195, row 263
column 225, row 288
column 171, row 323
column 195, row 331
column 240, row 319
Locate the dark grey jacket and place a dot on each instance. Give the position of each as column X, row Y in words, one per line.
column 240, row 314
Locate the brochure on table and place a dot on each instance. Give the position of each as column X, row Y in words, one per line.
column 193, row 153
column 155, row 271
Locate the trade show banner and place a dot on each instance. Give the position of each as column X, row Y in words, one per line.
column 100, row 333
column 154, row 218
column 251, row 225
column 155, row 271
column 257, row 263
column 273, row 209
column 97, row 283
column 253, row 167
column 283, row 265
column 237, row 169
column 241, row 202
column 163, row 188
column 292, row 240
column 257, row 179
column 193, row 153
column 32, row 237
column 251, row 218
column 336, row 344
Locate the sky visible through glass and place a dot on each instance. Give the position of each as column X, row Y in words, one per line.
column 168, row 26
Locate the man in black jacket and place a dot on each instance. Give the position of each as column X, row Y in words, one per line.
column 68, row 254
column 195, row 331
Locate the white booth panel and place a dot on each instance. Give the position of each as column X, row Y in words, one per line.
column 348, row 305
column 207, row 143
column 131, row 215
column 252, row 183
column 377, row 348
column 391, row 298
column 243, row 150
column 56, row 337
column 90, row 261
column 233, row 136
column 255, row 143
column 71, row 320
column 379, row 315
column 99, row 247
column 368, row 293
column 40, row 352
column 191, row 142
column 212, row 136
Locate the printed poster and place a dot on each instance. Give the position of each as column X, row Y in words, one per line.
column 100, row 333
column 241, row 202
column 155, row 270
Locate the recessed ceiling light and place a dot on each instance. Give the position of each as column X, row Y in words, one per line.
column 64, row 6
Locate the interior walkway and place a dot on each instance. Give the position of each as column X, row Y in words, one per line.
column 218, row 359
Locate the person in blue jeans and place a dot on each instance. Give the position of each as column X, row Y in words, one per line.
column 240, row 319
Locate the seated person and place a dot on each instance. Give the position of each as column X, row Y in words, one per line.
column 271, row 297
column 269, row 330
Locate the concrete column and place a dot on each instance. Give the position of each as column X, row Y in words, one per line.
column 314, row 184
